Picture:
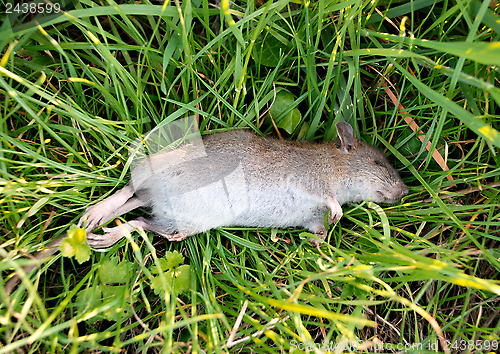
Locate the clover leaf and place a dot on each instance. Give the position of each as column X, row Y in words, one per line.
column 177, row 277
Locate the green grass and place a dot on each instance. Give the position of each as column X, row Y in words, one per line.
column 75, row 94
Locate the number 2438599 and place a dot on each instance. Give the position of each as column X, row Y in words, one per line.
column 33, row 7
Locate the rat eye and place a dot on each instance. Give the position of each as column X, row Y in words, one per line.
column 379, row 163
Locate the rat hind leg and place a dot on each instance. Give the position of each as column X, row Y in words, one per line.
column 131, row 204
column 118, row 204
column 114, row 234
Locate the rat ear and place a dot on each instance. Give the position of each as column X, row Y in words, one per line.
column 346, row 136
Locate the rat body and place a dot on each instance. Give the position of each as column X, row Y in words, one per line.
column 241, row 179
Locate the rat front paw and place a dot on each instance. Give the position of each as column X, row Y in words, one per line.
column 333, row 218
column 335, row 210
column 321, row 234
column 316, row 226
column 102, row 212
column 92, row 218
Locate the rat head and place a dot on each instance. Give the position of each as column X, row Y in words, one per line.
column 371, row 175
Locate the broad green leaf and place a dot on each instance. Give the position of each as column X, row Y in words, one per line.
column 112, row 293
column 171, row 260
column 111, row 271
column 87, row 300
column 268, row 50
column 82, row 253
column 74, row 245
column 177, row 280
column 182, row 280
column 283, row 102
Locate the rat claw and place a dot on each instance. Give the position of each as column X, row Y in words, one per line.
column 90, row 220
column 334, row 218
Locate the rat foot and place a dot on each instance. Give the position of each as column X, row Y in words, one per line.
column 103, row 241
column 118, row 204
column 335, row 210
column 113, row 234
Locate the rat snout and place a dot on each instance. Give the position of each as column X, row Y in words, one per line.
column 393, row 194
column 403, row 188
column 399, row 191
